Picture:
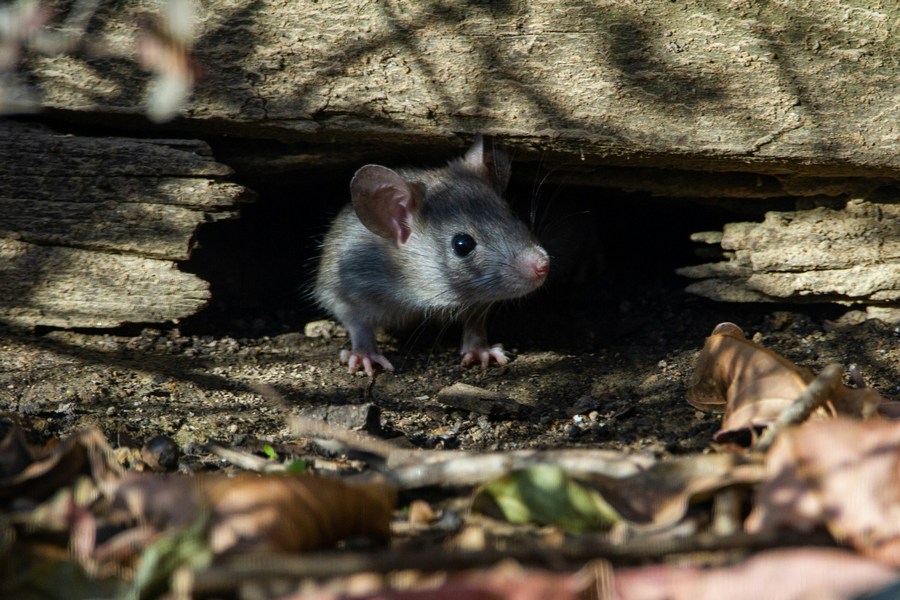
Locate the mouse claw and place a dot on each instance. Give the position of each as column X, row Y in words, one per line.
column 484, row 356
column 366, row 360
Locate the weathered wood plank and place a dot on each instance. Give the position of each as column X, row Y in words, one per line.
column 806, row 86
column 56, row 286
column 143, row 229
column 193, row 192
column 36, row 152
column 91, row 227
column 822, row 254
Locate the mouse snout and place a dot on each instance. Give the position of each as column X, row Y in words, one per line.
column 536, row 265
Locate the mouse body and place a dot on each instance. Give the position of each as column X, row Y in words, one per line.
column 420, row 243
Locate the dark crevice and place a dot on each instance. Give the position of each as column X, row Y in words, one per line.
column 608, row 245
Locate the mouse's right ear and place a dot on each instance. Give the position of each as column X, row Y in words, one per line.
column 384, row 202
column 489, row 162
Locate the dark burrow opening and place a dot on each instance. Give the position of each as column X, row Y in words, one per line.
column 613, row 251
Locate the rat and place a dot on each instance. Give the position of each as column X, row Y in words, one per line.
column 418, row 243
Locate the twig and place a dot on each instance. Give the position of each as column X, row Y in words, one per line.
column 352, row 439
column 815, row 395
column 727, row 510
column 300, row 426
column 228, row 574
column 410, row 469
column 245, row 460
column 465, row 469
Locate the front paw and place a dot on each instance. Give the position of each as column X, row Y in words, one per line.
column 367, row 360
column 483, row 356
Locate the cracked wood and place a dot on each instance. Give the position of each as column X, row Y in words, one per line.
column 805, row 88
column 91, row 229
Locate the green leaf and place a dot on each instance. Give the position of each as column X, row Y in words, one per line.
column 180, row 548
column 297, row 466
column 269, row 451
column 544, row 494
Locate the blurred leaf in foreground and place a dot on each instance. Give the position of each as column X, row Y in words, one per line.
column 790, row 574
column 843, row 474
column 267, row 513
column 180, row 548
column 660, row 496
column 294, row 512
column 544, row 494
column 164, row 48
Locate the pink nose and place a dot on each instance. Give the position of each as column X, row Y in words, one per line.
column 539, row 265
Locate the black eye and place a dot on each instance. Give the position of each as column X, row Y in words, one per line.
column 463, row 244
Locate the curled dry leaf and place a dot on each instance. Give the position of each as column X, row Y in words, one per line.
column 295, row 512
column 794, row 574
column 271, row 513
column 85, row 453
column 753, row 385
column 660, row 496
column 843, row 474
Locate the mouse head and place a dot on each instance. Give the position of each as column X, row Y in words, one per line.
column 386, row 203
column 460, row 241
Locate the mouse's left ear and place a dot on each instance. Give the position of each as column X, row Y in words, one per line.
column 384, row 202
column 490, row 162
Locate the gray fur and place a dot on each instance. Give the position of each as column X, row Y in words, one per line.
column 371, row 282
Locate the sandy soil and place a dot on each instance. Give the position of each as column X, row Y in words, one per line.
column 604, row 370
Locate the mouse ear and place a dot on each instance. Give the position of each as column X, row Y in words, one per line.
column 383, row 201
column 490, row 162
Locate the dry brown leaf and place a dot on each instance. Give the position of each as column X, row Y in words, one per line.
column 659, row 497
column 15, row 454
column 793, row 574
column 161, row 501
column 754, row 385
column 264, row 513
column 294, row 512
column 841, row 473
column 85, row 453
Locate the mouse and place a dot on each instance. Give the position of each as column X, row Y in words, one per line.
column 427, row 243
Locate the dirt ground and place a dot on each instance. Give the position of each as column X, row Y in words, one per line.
column 604, row 369
column 601, row 355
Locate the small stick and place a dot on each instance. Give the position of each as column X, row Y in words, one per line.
column 410, row 469
column 300, row 426
column 727, row 511
column 245, row 460
column 455, row 469
column 229, row 573
column 815, row 395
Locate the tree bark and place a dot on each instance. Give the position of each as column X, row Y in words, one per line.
column 92, row 229
column 803, row 87
column 850, row 255
column 689, row 98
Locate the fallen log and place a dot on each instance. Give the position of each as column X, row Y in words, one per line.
column 92, row 229
column 851, row 255
column 800, row 89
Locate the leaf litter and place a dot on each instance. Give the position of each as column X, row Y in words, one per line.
column 84, row 515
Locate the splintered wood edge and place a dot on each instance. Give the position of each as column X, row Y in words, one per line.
column 58, row 286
